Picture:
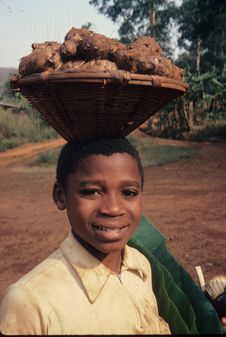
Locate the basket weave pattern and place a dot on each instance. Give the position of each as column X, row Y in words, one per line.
column 82, row 106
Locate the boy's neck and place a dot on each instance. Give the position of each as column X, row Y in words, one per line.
column 112, row 260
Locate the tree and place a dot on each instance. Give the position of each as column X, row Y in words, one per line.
column 202, row 28
column 202, row 25
column 140, row 17
column 87, row 25
column 214, row 34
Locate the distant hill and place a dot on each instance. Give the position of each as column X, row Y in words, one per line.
column 4, row 75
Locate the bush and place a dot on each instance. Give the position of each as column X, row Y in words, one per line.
column 214, row 131
column 6, row 144
column 47, row 157
column 20, row 128
column 153, row 154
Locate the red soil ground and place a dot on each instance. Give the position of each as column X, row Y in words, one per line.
column 186, row 200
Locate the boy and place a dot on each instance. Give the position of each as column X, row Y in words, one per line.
column 94, row 283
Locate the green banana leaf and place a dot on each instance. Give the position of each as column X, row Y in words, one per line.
column 181, row 302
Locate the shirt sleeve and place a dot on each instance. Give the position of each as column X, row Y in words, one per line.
column 20, row 313
column 163, row 327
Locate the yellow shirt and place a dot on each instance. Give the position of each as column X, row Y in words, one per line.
column 71, row 292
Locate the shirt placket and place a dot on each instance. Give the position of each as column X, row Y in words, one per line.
column 139, row 324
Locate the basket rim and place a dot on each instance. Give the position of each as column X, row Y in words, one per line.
column 104, row 78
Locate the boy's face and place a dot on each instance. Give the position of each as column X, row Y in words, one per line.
column 103, row 201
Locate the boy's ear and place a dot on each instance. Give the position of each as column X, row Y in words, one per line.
column 58, row 196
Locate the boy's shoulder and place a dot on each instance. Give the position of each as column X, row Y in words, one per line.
column 136, row 254
column 137, row 259
column 44, row 273
column 30, row 291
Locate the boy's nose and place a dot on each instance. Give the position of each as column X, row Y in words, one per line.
column 111, row 206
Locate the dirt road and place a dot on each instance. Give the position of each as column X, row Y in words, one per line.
column 185, row 200
column 27, row 151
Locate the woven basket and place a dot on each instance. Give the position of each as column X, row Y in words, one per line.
column 85, row 106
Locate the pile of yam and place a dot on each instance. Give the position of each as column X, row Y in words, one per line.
column 86, row 51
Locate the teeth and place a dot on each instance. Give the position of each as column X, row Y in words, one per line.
column 107, row 229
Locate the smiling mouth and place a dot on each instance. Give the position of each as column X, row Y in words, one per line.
column 114, row 229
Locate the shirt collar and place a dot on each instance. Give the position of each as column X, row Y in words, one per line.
column 92, row 272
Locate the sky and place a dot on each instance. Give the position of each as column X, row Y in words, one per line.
column 23, row 22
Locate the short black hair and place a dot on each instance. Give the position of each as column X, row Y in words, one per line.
column 73, row 152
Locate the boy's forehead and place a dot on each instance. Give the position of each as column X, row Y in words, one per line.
column 95, row 159
column 110, row 163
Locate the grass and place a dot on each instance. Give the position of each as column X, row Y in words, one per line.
column 152, row 154
column 47, row 158
column 213, row 131
column 20, row 128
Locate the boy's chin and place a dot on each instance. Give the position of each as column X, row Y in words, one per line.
column 99, row 249
column 108, row 248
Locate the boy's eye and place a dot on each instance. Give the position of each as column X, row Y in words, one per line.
column 90, row 192
column 130, row 193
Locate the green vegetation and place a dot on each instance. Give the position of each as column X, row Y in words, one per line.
column 47, row 157
column 4, row 74
column 21, row 124
column 212, row 131
column 20, row 128
column 152, row 154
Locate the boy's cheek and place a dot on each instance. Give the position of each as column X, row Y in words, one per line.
column 136, row 210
